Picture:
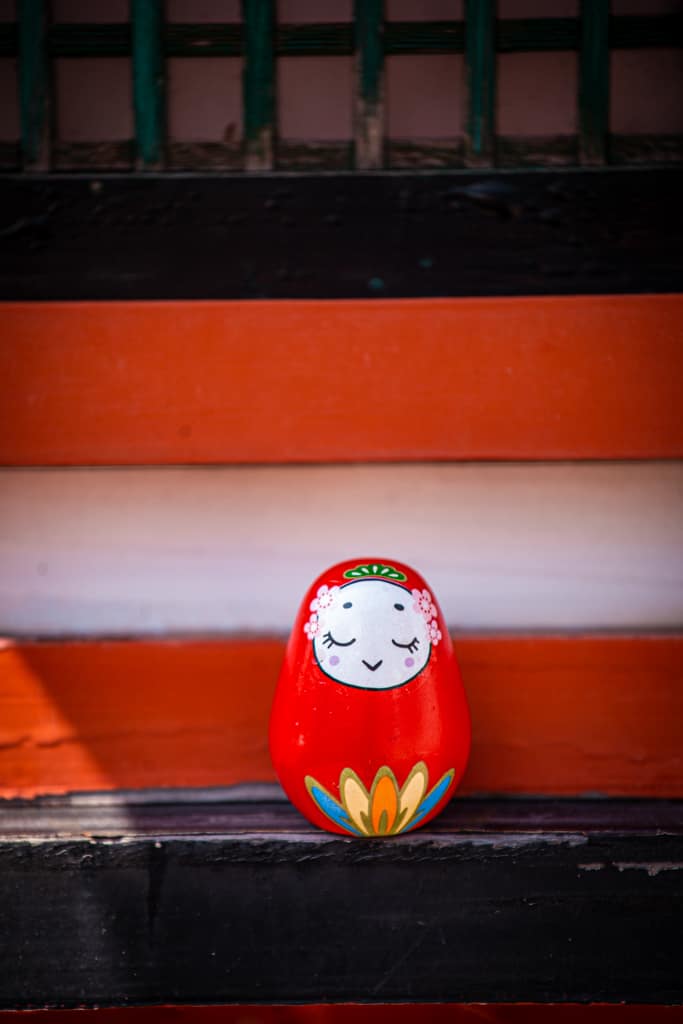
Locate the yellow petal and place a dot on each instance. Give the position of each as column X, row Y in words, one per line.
column 355, row 798
column 414, row 788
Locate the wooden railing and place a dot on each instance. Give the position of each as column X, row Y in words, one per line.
column 261, row 40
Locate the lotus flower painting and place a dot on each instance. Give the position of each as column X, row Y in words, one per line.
column 370, row 730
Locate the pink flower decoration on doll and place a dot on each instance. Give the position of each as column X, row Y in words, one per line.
column 434, row 632
column 425, row 606
column 312, row 627
column 325, row 598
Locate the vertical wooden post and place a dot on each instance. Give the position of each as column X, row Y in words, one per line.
column 594, row 82
column 148, row 83
column 369, row 105
column 34, row 86
column 258, row 85
column 480, row 59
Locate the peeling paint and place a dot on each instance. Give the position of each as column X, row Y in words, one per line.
column 501, row 841
column 653, row 868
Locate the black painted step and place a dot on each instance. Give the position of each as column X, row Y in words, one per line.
column 341, row 236
column 213, row 897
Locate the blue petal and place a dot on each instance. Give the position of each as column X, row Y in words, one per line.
column 332, row 809
column 432, row 799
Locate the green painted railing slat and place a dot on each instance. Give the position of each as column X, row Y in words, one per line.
column 480, row 59
column 594, row 81
column 369, row 99
column 148, row 83
column 34, row 85
column 259, row 84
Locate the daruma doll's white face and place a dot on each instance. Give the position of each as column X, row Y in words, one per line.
column 371, row 634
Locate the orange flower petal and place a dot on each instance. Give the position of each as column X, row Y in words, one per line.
column 384, row 805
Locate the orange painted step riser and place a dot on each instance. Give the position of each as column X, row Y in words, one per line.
column 550, row 714
column 213, row 382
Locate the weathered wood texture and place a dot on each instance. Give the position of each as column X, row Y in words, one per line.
column 554, row 715
column 350, row 236
column 218, row 382
column 537, row 901
column 440, row 154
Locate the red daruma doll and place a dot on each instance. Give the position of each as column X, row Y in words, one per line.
column 369, row 732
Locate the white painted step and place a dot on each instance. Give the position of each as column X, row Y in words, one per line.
column 521, row 546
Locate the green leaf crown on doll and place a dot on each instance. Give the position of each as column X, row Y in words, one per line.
column 386, row 572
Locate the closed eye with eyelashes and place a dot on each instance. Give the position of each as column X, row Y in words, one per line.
column 329, row 641
column 412, row 646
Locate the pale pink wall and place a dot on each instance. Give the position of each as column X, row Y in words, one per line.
column 647, row 91
column 84, row 10
column 425, row 95
column 94, row 99
column 203, row 10
column 314, row 10
column 424, row 10
column 204, row 98
column 315, row 96
column 537, row 93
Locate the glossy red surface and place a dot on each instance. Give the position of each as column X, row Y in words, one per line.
column 396, row 707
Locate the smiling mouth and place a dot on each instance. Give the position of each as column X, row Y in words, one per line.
column 373, row 668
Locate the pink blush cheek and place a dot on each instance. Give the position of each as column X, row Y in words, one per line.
column 334, row 660
column 409, row 662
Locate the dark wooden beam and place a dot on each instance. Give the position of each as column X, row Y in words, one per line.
column 322, row 236
column 513, row 35
column 199, row 898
